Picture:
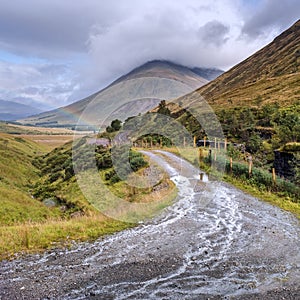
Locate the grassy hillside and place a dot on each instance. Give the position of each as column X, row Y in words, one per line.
column 270, row 75
column 17, row 176
column 42, row 205
column 26, row 223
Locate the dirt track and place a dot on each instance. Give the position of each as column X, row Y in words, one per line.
column 215, row 242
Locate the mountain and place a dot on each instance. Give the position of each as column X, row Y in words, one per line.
column 208, row 73
column 10, row 110
column 166, row 69
column 136, row 92
column 270, row 75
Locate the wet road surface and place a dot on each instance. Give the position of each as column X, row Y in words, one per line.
column 214, row 242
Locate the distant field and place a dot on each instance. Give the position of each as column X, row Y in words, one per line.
column 44, row 129
column 48, row 141
column 21, row 129
column 47, row 138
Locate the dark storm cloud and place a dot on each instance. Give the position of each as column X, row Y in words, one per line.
column 214, row 32
column 276, row 14
column 52, row 28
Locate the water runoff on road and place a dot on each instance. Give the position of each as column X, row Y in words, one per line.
column 214, row 240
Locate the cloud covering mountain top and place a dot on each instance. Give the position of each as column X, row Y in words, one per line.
column 55, row 52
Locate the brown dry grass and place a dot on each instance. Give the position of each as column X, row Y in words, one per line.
column 48, row 141
column 44, row 130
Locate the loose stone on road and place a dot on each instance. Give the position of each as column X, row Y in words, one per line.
column 213, row 242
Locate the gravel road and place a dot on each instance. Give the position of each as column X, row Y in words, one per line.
column 214, row 242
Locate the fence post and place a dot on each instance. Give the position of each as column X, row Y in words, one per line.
column 230, row 164
column 273, row 175
column 201, row 176
column 204, row 141
column 194, row 141
column 250, row 167
column 200, row 154
column 225, row 144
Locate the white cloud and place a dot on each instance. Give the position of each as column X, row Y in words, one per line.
column 84, row 45
column 47, row 84
column 274, row 14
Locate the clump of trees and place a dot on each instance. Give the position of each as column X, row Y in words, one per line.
column 60, row 165
column 115, row 125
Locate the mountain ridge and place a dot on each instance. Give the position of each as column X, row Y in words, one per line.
column 271, row 74
column 11, row 110
column 175, row 80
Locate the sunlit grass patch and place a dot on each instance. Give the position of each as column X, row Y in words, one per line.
column 37, row 236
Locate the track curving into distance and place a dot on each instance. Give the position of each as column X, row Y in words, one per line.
column 214, row 242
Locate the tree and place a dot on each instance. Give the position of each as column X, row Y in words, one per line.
column 115, row 125
column 287, row 124
column 163, row 109
column 253, row 144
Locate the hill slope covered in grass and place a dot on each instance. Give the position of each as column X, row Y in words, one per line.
column 270, row 75
column 17, row 176
column 42, row 205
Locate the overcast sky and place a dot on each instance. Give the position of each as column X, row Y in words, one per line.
column 54, row 52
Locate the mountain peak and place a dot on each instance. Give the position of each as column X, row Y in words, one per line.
column 161, row 80
column 159, row 67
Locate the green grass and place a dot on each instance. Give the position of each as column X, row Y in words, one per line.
column 31, row 237
column 17, row 175
column 28, row 226
column 283, row 202
column 280, row 199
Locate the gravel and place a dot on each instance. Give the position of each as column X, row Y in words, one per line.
column 213, row 243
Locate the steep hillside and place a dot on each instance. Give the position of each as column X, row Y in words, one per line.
column 146, row 84
column 17, row 176
column 257, row 104
column 270, row 75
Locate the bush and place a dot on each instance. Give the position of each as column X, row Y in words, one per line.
column 54, row 177
column 137, row 161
